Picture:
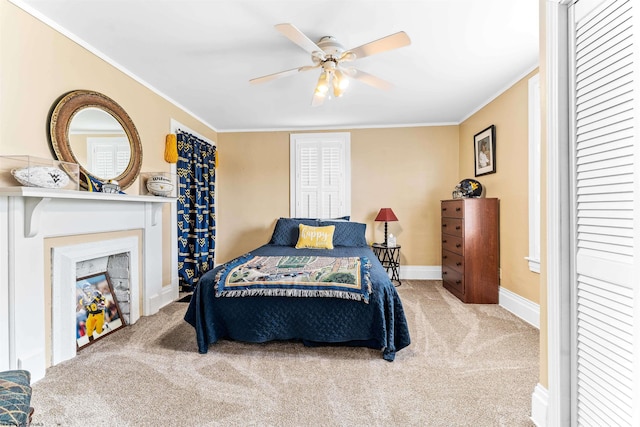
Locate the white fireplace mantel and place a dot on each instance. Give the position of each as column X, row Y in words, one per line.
column 30, row 215
column 36, row 200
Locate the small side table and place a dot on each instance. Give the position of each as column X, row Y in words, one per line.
column 389, row 257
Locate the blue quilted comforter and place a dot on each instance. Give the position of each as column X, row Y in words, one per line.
column 381, row 324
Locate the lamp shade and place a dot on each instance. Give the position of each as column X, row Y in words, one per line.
column 386, row 214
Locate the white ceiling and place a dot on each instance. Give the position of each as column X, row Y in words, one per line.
column 201, row 55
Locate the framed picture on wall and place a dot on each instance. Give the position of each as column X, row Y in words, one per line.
column 97, row 310
column 484, row 144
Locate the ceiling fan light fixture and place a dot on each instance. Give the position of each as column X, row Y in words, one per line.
column 323, row 84
column 340, row 83
column 348, row 56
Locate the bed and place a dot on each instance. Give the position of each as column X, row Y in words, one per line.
column 368, row 313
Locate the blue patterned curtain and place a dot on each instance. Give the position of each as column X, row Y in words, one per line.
column 196, row 212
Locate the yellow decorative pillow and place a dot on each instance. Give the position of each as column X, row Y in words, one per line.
column 315, row 237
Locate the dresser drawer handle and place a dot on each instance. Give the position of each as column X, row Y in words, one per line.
column 444, row 225
column 444, row 272
column 444, row 257
column 458, row 282
column 458, row 227
column 458, row 263
column 444, row 241
column 444, row 209
column 457, row 209
column 458, row 245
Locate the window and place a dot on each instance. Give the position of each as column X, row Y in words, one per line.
column 534, row 174
column 109, row 156
column 320, row 175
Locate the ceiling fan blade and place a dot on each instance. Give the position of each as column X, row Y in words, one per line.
column 369, row 79
column 280, row 74
column 291, row 32
column 393, row 41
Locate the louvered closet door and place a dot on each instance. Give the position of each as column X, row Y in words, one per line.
column 606, row 234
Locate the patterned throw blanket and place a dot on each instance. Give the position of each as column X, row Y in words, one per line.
column 295, row 276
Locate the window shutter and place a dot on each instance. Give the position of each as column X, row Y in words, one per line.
column 103, row 162
column 122, row 158
column 332, row 181
column 309, row 181
column 605, row 208
column 321, row 183
column 108, row 156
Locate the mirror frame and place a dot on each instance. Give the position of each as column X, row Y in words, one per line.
column 73, row 102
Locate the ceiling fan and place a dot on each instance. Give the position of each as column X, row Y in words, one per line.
column 329, row 55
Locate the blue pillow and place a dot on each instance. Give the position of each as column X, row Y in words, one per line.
column 286, row 231
column 347, row 233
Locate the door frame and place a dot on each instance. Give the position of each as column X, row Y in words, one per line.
column 559, row 258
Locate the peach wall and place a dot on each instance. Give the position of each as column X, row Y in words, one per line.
column 38, row 65
column 509, row 113
column 407, row 169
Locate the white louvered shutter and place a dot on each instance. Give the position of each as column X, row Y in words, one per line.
column 332, row 183
column 605, row 325
column 309, row 179
column 108, row 157
column 320, row 183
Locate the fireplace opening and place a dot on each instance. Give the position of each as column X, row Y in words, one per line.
column 104, row 273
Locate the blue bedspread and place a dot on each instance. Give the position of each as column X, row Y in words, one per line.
column 381, row 324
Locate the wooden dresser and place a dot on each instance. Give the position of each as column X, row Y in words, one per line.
column 471, row 249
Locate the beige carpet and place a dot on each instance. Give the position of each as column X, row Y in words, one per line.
column 468, row 365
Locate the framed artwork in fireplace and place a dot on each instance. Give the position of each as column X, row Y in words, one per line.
column 97, row 310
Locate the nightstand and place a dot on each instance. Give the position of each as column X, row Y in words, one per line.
column 389, row 257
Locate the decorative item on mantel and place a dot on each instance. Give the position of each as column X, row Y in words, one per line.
column 95, row 185
column 92, row 184
column 111, row 186
column 386, row 214
column 162, row 184
column 30, row 171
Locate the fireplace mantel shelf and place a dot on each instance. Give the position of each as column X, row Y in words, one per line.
column 85, row 195
column 36, row 199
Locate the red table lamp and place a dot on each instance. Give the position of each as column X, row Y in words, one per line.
column 386, row 214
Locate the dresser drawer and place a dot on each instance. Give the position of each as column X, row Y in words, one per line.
column 452, row 226
column 452, row 244
column 452, row 208
column 453, row 260
column 453, row 279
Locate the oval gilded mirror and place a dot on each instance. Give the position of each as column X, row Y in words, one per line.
column 92, row 130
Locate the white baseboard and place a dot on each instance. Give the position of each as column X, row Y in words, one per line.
column 521, row 307
column 34, row 363
column 539, row 405
column 169, row 293
column 421, row 272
